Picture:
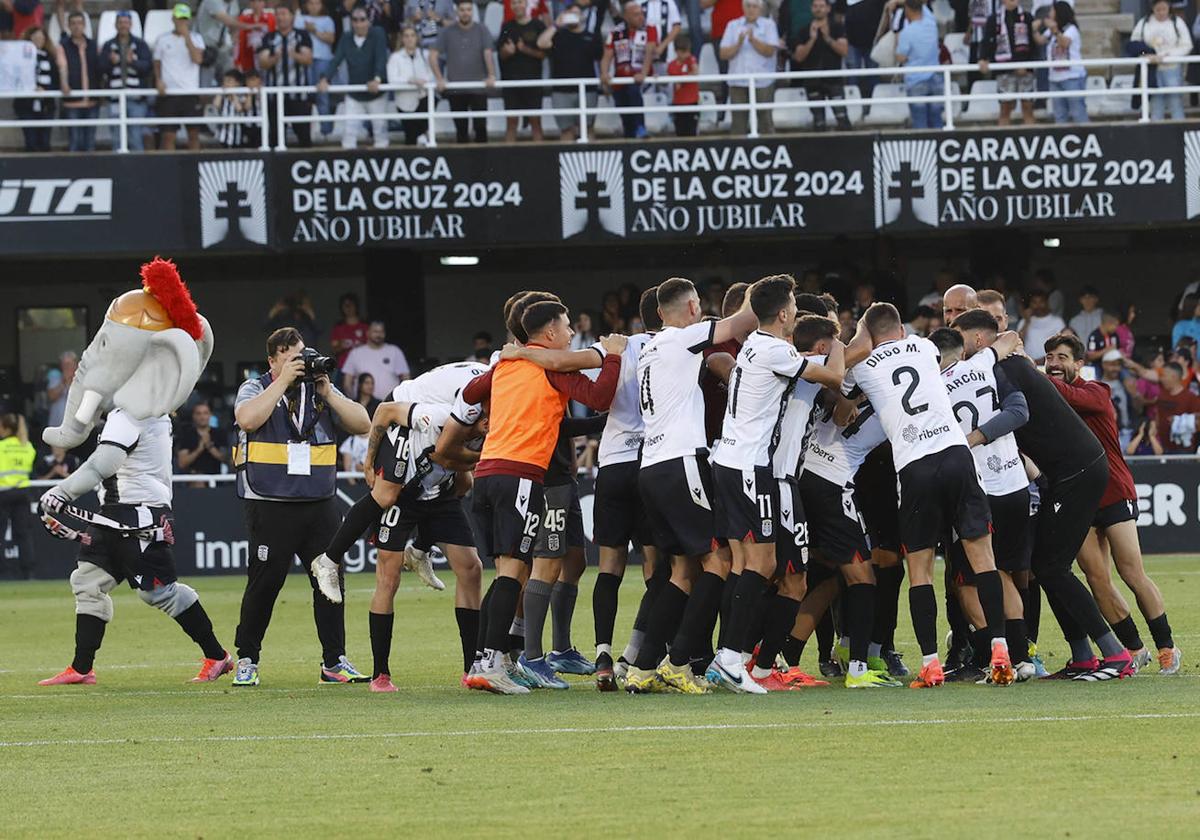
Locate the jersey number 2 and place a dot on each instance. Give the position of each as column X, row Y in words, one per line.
column 913, row 378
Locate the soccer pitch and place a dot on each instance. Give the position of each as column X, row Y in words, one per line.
column 144, row 754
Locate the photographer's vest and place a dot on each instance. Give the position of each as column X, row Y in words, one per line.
column 292, row 456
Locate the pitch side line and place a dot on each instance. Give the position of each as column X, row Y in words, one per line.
column 598, row 730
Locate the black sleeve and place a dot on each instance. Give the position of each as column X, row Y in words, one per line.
column 578, row 426
column 701, row 346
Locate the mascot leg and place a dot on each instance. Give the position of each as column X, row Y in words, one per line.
column 181, row 602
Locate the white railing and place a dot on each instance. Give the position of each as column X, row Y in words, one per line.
column 271, row 106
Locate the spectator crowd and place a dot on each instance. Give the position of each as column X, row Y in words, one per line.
column 436, row 43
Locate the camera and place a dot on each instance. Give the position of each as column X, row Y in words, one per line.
column 316, row 365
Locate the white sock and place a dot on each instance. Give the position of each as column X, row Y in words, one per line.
column 875, row 650
column 601, row 649
column 857, row 668
column 1003, row 642
column 517, row 628
column 925, row 660
column 760, row 673
column 491, row 660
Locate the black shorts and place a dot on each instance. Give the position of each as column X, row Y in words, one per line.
column 436, row 520
column 938, row 492
column 280, row 531
column 122, row 555
column 835, row 527
column 507, row 510
column 1068, row 509
column 522, row 99
column 561, row 522
column 1123, row 511
column 677, row 496
column 618, row 514
column 1010, row 538
column 791, row 543
column 747, row 506
column 879, row 500
column 177, row 106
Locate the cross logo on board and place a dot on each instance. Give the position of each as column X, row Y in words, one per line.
column 906, row 185
column 233, row 203
column 592, row 191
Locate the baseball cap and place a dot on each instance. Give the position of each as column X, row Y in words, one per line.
column 1112, row 356
column 182, row 11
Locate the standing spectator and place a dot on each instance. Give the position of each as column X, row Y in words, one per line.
column 410, row 66
column 1168, row 36
column 1088, row 317
column 24, row 14
column 1008, row 38
column 1102, row 339
column 216, row 21
column 1125, row 338
column 58, row 383
column 428, row 18
column 128, row 62
column 1189, row 328
column 521, row 60
column 286, row 58
column 1177, row 409
column 57, row 464
column 794, row 19
column 663, row 15
column 1065, row 44
column 1038, row 324
column 536, row 8
column 201, row 448
column 365, row 53
column 1126, row 400
column 45, row 78
column 466, row 48
column 365, row 393
column 481, row 350
column 862, row 23
column 177, row 57
column 227, row 104
column 16, row 462
column 258, row 23
column 574, row 50
column 822, row 46
column 385, row 362
column 610, row 315
column 584, row 336
column 628, row 51
column 80, row 72
column 723, row 12
column 1145, row 441
column 295, row 310
column 62, row 13
column 751, row 45
column 917, row 46
column 687, row 123
column 321, row 30
column 349, row 332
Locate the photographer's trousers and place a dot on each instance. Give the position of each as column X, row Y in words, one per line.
column 279, row 533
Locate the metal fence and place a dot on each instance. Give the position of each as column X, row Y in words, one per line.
column 271, row 118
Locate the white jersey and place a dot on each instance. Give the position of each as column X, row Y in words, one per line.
column 758, row 393
column 440, row 385
column 424, row 424
column 975, row 398
column 144, row 477
column 835, row 453
column 903, row 381
column 623, row 431
column 796, row 426
column 668, row 373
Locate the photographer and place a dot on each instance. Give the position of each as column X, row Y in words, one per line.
column 286, row 462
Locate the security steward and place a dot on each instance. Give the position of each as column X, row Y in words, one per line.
column 286, row 462
column 16, row 460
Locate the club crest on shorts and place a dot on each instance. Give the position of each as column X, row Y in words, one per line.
column 384, row 533
column 767, row 527
column 526, row 543
column 552, row 542
column 263, row 553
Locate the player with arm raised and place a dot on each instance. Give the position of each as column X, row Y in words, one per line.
column 769, row 376
column 939, row 488
column 676, row 485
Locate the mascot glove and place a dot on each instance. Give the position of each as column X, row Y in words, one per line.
column 53, row 500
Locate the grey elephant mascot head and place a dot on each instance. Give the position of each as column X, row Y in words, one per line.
column 145, row 359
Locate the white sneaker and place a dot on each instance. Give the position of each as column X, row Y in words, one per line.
column 326, row 573
column 496, row 681
column 1024, row 671
column 727, row 670
column 419, row 562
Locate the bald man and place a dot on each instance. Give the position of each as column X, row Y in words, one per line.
column 957, row 300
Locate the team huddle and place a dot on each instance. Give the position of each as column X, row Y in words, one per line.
column 772, row 477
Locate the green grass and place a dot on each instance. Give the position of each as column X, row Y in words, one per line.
column 143, row 754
